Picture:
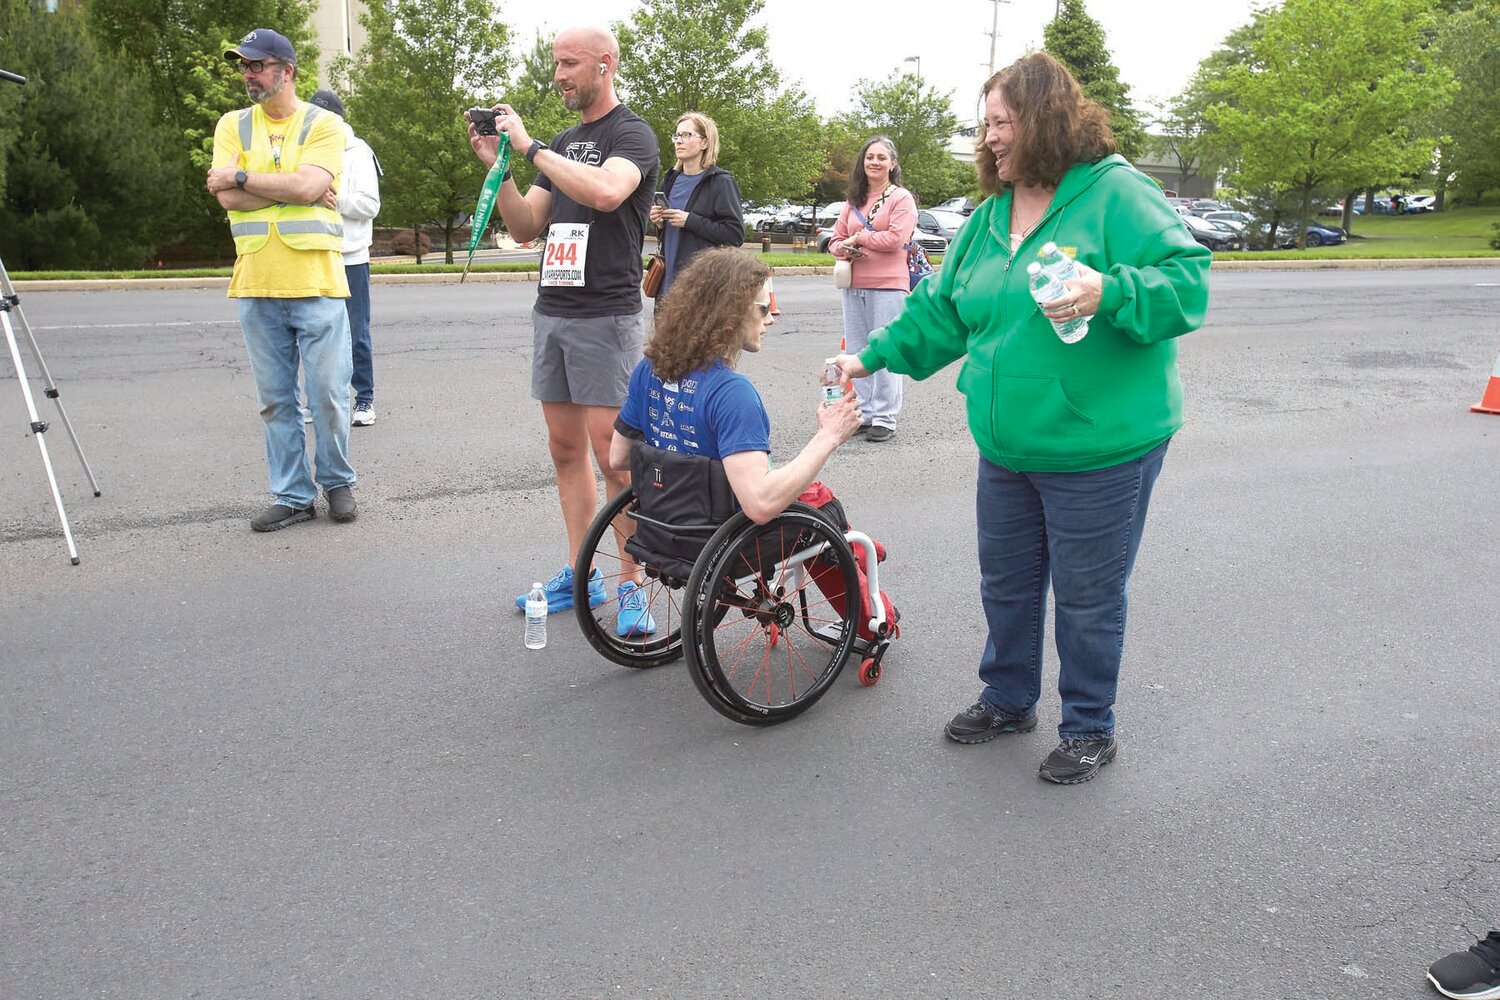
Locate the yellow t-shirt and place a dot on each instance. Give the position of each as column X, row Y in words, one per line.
column 276, row 271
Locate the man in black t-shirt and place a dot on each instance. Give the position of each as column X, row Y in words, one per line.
column 590, row 200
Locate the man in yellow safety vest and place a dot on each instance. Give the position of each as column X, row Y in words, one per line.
column 272, row 165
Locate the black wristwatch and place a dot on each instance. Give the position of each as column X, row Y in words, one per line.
column 536, row 147
column 240, row 178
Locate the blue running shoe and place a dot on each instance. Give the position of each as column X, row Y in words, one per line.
column 635, row 617
column 559, row 591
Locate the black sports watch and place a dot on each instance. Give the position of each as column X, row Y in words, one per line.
column 536, row 147
column 240, row 178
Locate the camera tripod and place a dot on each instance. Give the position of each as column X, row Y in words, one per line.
column 10, row 302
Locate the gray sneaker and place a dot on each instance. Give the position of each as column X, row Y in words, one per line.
column 364, row 415
column 977, row 724
column 341, row 505
column 279, row 515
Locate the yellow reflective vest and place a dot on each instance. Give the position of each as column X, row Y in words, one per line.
column 301, row 227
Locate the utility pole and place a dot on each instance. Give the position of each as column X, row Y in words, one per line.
column 994, row 32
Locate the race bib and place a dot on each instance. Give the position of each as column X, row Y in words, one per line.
column 567, row 249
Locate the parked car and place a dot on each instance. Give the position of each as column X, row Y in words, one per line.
column 1238, row 221
column 823, row 227
column 1421, row 203
column 962, row 206
column 1215, row 236
column 945, row 224
column 1318, row 234
column 755, row 216
column 1201, row 205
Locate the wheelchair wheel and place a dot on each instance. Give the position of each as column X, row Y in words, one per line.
column 648, row 640
column 771, row 615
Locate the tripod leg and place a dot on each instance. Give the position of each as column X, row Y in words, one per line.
column 38, row 428
column 50, row 389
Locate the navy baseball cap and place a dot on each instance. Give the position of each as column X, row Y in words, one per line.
column 328, row 101
column 263, row 43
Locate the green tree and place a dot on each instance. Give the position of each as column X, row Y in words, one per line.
column 1468, row 45
column 920, row 121
column 179, row 46
column 709, row 56
column 406, row 91
column 1078, row 42
column 1326, row 100
column 72, row 199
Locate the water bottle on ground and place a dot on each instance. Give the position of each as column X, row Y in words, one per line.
column 1047, row 287
column 536, row 617
column 1064, row 268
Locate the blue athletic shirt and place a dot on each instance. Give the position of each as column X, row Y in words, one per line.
column 713, row 413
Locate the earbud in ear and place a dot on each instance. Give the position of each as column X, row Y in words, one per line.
column 601, row 69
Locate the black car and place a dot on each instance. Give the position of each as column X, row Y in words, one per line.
column 1215, row 236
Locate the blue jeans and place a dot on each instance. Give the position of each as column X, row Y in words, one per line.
column 278, row 334
column 358, row 305
column 1081, row 529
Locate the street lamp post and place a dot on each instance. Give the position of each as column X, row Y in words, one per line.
column 918, row 61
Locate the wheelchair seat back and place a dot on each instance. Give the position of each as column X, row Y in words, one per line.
column 681, row 500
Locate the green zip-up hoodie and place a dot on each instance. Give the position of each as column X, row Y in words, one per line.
column 1036, row 404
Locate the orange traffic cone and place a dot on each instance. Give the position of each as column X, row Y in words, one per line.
column 772, row 290
column 1490, row 402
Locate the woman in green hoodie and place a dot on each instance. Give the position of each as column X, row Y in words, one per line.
column 1070, row 436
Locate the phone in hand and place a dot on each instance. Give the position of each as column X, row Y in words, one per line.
column 660, row 199
column 484, row 120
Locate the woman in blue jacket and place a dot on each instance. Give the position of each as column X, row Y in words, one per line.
column 703, row 201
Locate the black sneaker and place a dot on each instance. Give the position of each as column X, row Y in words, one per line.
column 1472, row 974
column 279, row 515
column 341, row 506
column 977, row 724
column 1076, row 761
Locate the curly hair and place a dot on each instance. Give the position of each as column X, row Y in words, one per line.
column 1055, row 125
column 859, row 184
column 702, row 317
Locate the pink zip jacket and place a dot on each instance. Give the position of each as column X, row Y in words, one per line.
column 884, row 262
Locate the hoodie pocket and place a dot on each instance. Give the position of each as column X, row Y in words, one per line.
column 1033, row 417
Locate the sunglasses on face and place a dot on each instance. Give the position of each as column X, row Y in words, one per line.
column 764, row 307
column 258, row 65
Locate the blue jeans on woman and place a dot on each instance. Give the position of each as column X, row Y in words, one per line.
column 358, row 306
column 1081, row 530
column 280, row 333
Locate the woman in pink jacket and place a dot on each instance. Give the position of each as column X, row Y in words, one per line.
column 872, row 233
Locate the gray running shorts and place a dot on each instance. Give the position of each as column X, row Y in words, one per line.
column 585, row 360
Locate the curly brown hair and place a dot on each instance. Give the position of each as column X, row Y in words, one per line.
column 702, row 317
column 1055, row 125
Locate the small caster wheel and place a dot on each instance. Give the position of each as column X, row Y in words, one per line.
column 869, row 672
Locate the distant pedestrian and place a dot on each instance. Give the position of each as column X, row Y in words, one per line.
column 871, row 233
column 702, row 207
column 358, row 202
column 273, row 166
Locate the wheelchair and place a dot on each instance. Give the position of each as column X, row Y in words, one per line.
column 766, row 615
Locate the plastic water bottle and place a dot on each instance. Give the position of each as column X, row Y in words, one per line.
column 1047, row 287
column 833, row 383
column 1063, row 268
column 536, row 617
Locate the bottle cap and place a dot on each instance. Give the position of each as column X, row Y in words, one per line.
column 537, row 585
column 1034, row 267
column 1049, row 247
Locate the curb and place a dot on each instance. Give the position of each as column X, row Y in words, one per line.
column 157, row 284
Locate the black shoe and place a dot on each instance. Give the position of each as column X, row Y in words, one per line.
column 863, row 429
column 977, row 724
column 880, row 432
column 279, row 515
column 341, row 506
column 1472, row 974
column 1077, row 761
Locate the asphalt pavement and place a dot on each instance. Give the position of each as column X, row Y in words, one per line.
column 319, row 763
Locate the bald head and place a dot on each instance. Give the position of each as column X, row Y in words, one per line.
column 584, row 64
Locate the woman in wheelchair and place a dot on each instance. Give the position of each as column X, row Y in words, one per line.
column 696, row 437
